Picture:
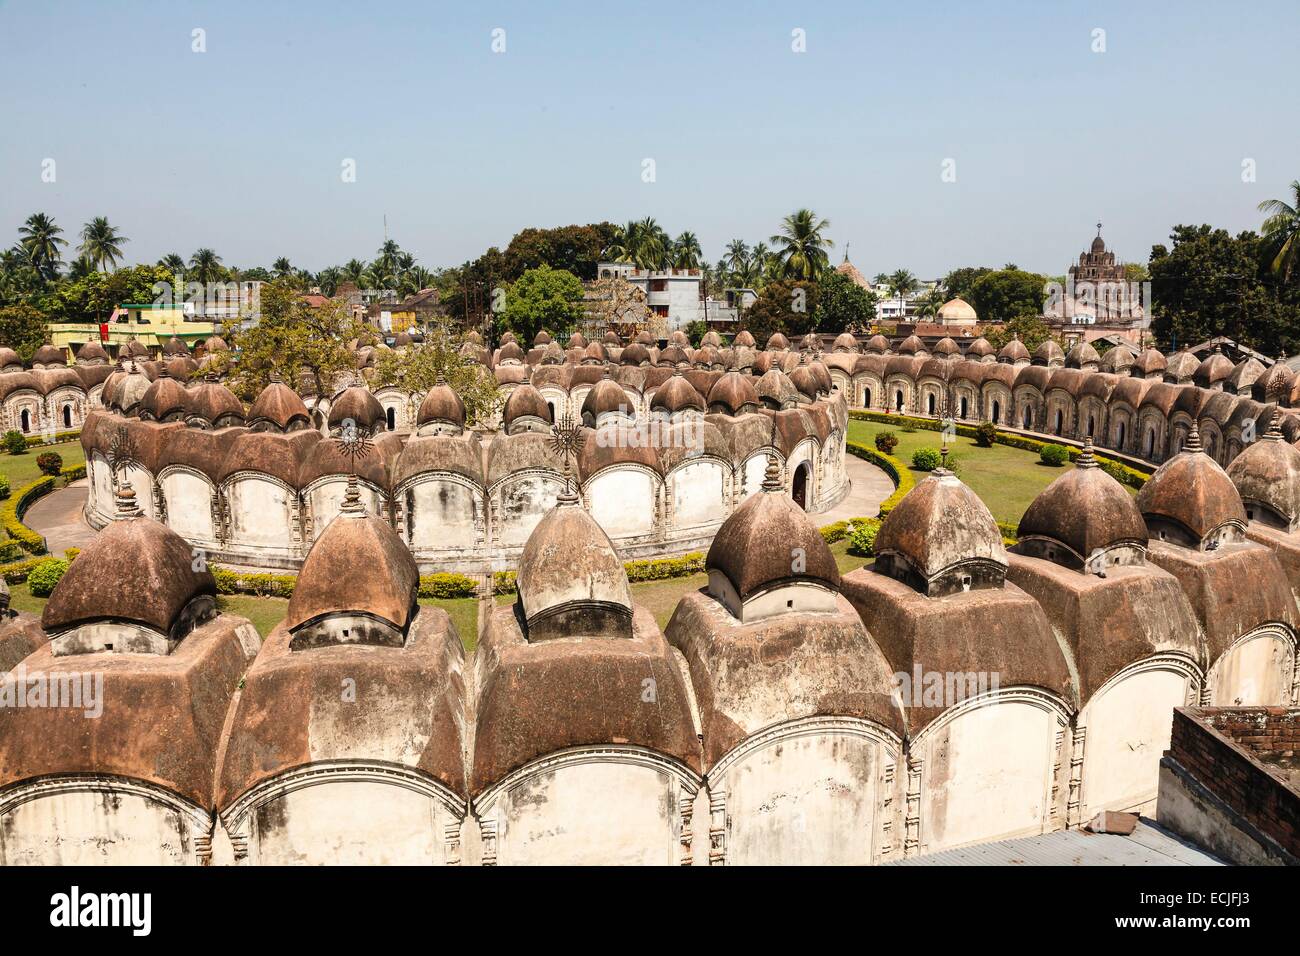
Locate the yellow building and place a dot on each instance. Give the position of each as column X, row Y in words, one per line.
column 150, row 325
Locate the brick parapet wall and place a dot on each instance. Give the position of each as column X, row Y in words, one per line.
column 1219, row 746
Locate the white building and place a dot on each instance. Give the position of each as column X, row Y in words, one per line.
column 674, row 295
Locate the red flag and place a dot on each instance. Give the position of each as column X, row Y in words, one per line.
column 103, row 331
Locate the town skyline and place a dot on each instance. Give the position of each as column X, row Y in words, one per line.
column 481, row 134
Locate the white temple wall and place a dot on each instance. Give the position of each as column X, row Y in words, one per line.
column 188, row 496
column 1124, row 730
column 518, row 503
column 623, row 500
column 260, row 513
column 443, row 514
column 986, row 771
column 88, row 821
column 1257, row 671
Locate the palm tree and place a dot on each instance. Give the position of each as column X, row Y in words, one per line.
column 281, row 267
column 39, row 237
column 801, row 245
column 933, row 301
column 902, row 284
column 623, row 248
column 387, row 257
column 686, row 251
column 736, row 256
column 206, row 265
column 655, row 248
column 173, row 263
column 101, row 243
column 352, row 271
column 1281, row 231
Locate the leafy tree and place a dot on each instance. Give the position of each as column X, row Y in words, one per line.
column 1208, row 283
column 39, row 237
column 1030, row 329
column 543, row 298
column 417, row 369
column 101, row 243
column 801, row 245
column 1281, row 231
column 788, row 306
column 843, row 305
column 1007, row 294
column 577, row 249
column 22, row 328
column 958, row 282
column 294, row 342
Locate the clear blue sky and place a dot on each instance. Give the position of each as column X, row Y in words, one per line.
column 240, row 148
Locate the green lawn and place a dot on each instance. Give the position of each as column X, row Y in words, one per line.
column 267, row 612
column 21, row 469
column 1007, row 479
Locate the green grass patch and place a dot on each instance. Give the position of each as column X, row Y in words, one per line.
column 1006, row 479
column 21, row 469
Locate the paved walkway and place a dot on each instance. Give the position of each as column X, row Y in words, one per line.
column 57, row 516
column 869, row 487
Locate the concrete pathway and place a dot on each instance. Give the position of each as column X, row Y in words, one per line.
column 57, row 516
column 869, row 486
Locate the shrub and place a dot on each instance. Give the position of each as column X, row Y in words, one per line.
column 4, row 487
column 43, row 578
column 985, row 434
column 1054, row 455
column 10, row 551
column 49, row 462
column 926, row 459
column 14, row 443
column 953, row 464
column 446, row 585
column 886, row 442
column 862, row 539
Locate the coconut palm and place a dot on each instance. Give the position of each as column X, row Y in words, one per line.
column 39, row 237
column 281, row 267
column 933, row 301
column 173, row 263
column 902, row 284
column 686, row 251
column 352, row 271
column 1281, row 231
column 101, row 243
column 206, row 265
column 736, row 255
column 801, row 246
column 623, row 248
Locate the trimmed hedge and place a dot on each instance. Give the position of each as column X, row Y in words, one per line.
column 439, row 586
column 4, row 487
column 59, row 438
column 446, row 586
column 895, row 469
column 73, row 473
column 17, row 571
column 11, row 551
column 11, row 514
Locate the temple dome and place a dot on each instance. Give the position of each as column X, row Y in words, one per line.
column 775, row 390
column 751, row 556
column 358, row 405
column 957, row 310
column 1267, row 476
column 744, row 339
column 1081, row 356
column 1214, row 370
column 571, row 581
column 541, row 339
column 165, row 397
column 92, row 352
column 49, row 354
column 175, row 346
column 1048, row 353
column 777, row 342
column 136, row 570
column 1191, row 501
column 526, row 402
column 606, row 397
column 215, row 405
column 979, row 348
column 441, row 404
column 911, row 345
column 278, row 406
column 1085, row 520
column 383, row 582
column 634, row 354
column 941, row 539
column 676, row 395
column 733, row 394
column 510, row 352
column 1013, row 352
column 9, row 358
column 845, row 342
column 946, row 347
